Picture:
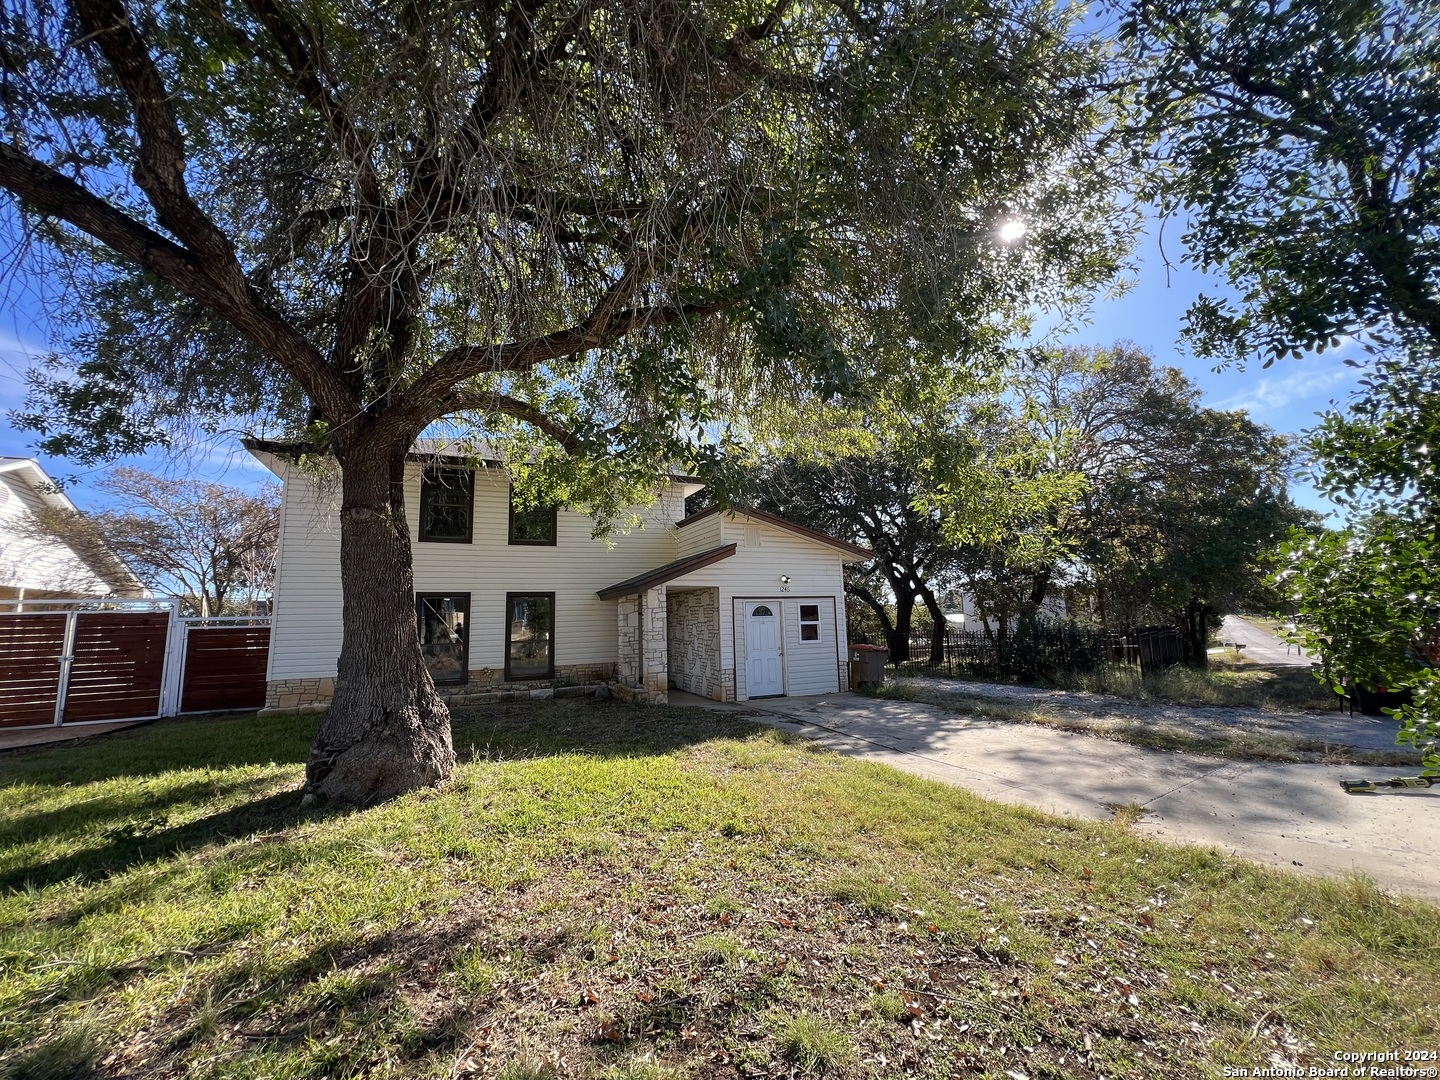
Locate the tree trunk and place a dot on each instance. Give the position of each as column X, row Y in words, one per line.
column 900, row 635
column 1196, row 635
column 937, row 627
column 386, row 731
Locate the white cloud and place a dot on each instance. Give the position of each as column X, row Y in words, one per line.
column 1272, row 394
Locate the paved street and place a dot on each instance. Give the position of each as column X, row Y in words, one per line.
column 1261, row 647
column 1290, row 816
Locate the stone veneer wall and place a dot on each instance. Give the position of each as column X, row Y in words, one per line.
column 693, row 633
column 297, row 695
column 641, row 673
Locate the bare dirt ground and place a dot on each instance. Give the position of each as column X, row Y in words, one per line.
column 1104, row 714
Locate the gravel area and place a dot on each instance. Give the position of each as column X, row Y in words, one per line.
column 1102, row 711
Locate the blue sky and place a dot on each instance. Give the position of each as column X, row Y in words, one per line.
column 1286, row 397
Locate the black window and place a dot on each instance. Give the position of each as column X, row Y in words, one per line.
column 529, row 636
column 809, row 622
column 442, row 620
column 535, row 526
column 447, row 506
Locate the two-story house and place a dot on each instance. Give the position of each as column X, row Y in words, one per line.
column 729, row 605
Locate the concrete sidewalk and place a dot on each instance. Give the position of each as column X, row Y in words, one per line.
column 1291, row 816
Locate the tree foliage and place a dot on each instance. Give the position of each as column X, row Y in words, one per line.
column 1298, row 140
column 210, row 544
column 594, row 235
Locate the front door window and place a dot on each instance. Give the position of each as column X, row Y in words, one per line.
column 443, row 623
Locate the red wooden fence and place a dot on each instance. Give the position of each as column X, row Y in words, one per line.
column 30, row 651
column 224, row 668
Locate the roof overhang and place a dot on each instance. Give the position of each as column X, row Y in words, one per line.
column 669, row 572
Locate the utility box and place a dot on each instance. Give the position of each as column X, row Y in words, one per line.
column 867, row 665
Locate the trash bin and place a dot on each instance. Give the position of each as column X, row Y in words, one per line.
column 867, row 665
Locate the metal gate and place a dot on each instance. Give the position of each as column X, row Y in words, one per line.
column 225, row 660
column 94, row 661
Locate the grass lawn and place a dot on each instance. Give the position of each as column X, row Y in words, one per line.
column 627, row 893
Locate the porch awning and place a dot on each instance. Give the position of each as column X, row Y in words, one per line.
column 661, row 574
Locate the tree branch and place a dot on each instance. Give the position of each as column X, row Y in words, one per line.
column 485, row 401
column 160, row 170
column 602, row 326
column 56, row 195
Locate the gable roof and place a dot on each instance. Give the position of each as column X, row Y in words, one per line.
column 110, row 569
column 436, row 452
column 853, row 550
column 661, row 574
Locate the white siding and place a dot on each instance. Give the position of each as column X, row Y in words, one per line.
column 574, row 570
column 34, row 564
column 701, row 535
column 305, row 633
column 307, row 629
column 810, row 666
column 764, row 554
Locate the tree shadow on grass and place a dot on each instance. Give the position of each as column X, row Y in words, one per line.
column 131, row 843
column 141, row 831
column 215, row 741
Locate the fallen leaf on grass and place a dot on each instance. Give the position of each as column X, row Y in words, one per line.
column 609, row 1031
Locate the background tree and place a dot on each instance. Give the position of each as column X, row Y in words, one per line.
column 210, row 544
column 1303, row 139
column 1100, row 471
column 594, row 232
column 876, row 500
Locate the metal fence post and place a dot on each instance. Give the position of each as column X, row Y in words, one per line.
column 67, row 661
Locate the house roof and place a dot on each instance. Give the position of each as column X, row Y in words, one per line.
column 669, row 572
column 102, row 562
column 853, row 550
column 428, row 451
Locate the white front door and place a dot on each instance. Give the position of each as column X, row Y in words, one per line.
column 762, row 651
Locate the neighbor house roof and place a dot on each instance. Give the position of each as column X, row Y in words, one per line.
column 669, row 572
column 854, row 550
column 101, row 561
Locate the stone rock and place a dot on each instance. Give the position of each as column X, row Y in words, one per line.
column 602, row 693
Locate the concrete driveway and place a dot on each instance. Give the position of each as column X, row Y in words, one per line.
column 1290, row 816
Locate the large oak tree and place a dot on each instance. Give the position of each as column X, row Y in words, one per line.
column 598, row 232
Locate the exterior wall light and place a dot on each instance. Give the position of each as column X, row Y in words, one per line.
column 784, row 579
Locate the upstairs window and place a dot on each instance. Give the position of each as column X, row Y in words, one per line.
column 809, row 622
column 535, row 527
column 447, row 506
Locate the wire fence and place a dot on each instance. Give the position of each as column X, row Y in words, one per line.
column 1040, row 650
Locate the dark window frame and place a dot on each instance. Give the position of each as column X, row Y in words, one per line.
column 420, row 598
column 554, row 528
column 426, row 484
column 510, row 622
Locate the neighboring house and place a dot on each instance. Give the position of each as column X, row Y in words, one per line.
column 40, row 567
column 727, row 605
